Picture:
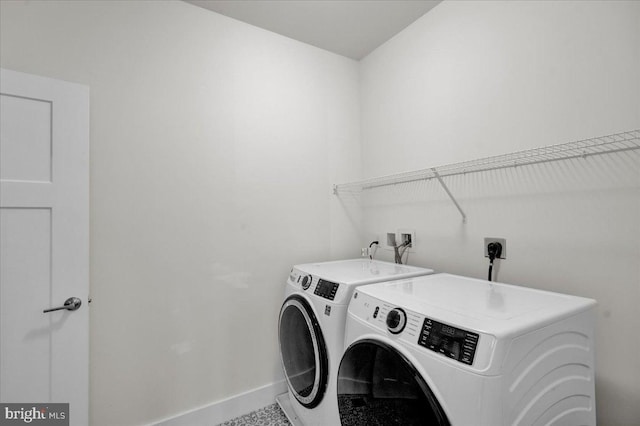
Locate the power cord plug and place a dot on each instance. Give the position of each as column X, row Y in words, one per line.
column 371, row 245
column 494, row 249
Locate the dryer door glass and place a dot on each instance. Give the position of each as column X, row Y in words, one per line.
column 302, row 351
column 377, row 385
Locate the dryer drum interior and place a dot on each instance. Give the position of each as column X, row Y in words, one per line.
column 303, row 351
column 377, row 385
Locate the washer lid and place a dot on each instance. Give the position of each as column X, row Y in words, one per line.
column 490, row 307
column 361, row 271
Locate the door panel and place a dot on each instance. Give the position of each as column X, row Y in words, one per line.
column 44, row 250
column 26, row 253
column 25, row 152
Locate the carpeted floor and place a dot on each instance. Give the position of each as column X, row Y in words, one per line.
column 270, row 415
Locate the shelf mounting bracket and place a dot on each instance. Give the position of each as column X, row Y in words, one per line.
column 446, row 189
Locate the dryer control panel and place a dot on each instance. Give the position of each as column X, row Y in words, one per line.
column 450, row 341
column 428, row 332
column 326, row 289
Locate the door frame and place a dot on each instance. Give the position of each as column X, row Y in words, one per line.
column 411, row 366
column 297, row 301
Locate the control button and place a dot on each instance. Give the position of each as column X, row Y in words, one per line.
column 396, row 320
column 306, row 282
column 375, row 312
column 456, row 350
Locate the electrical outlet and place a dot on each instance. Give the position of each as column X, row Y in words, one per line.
column 404, row 235
column 502, row 241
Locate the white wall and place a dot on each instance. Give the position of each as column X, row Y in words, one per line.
column 214, row 145
column 473, row 79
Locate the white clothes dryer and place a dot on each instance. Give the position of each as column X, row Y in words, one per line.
column 311, row 331
column 448, row 350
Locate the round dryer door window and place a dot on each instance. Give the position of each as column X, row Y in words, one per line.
column 377, row 385
column 303, row 351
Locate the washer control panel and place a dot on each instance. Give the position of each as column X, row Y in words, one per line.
column 326, row 289
column 450, row 341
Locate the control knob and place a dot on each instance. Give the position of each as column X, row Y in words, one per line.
column 396, row 320
column 306, row 282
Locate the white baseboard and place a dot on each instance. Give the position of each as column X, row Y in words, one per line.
column 227, row 409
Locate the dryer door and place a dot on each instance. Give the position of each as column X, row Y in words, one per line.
column 303, row 351
column 377, row 385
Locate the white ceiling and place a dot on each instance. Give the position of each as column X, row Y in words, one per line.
column 352, row 28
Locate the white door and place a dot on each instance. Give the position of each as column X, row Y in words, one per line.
column 44, row 242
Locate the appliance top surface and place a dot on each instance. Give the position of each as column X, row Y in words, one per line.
column 361, row 271
column 478, row 303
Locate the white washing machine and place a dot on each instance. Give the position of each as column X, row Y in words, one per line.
column 311, row 331
column 450, row 350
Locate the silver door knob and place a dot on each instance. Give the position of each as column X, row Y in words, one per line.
column 71, row 304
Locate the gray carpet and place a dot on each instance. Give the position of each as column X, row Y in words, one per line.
column 270, row 415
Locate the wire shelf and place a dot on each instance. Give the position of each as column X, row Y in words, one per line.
column 619, row 142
